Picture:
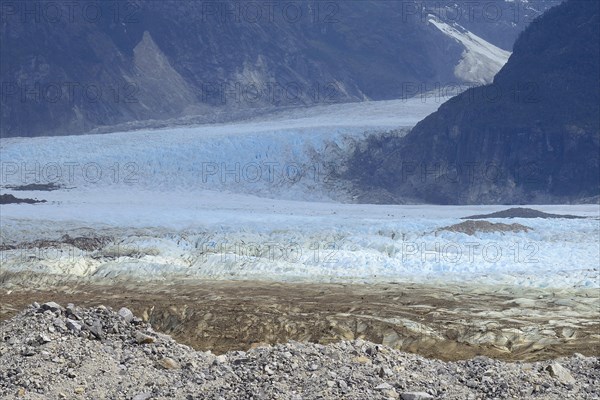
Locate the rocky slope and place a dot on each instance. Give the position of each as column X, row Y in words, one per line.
column 73, row 68
column 531, row 136
column 51, row 351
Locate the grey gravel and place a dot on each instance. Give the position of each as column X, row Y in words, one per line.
column 112, row 356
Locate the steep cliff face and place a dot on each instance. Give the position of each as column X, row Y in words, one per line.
column 533, row 135
column 69, row 67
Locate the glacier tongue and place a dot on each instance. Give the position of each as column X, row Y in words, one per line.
column 291, row 155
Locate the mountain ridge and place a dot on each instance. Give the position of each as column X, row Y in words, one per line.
column 77, row 75
column 531, row 136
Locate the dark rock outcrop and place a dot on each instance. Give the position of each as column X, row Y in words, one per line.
column 520, row 212
column 533, row 135
column 10, row 199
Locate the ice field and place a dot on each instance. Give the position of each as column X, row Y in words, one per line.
column 291, row 154
column 259, row 200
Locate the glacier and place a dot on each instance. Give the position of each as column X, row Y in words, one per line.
column 176, row 205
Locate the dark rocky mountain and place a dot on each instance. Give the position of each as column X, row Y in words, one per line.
column 499, row 22
column 533, row 135
column 69, row 67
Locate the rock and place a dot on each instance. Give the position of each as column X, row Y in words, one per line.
column 126, row 314
column 390, row 394
column 59, row 323
column 102, row 309
column 28, row 351
column 96, row 329
column 384, row 386
column 384, row 371
column 142, row 396
column 168, row 363
column 221, row 359
column 527, row 392
column 142, row 338
column 560, row 373
column 371, row 350
column 73, row 325
column 415, row 396
column 71, row 311
column 51, row 306
column 43, row 339
column 239, row 361
column 472, row 383
column 79, row 390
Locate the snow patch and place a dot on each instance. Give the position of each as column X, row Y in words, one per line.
column 480, row 60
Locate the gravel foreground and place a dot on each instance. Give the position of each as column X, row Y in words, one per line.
column 50, row 351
